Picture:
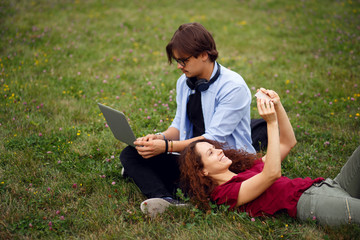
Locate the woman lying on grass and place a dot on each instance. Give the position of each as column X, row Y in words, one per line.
column 210, row 171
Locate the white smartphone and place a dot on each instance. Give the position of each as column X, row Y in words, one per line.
column 262, row 95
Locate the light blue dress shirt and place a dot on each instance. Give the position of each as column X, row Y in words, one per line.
column 226, row 110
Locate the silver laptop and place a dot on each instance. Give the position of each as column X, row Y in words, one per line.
column 118, row 124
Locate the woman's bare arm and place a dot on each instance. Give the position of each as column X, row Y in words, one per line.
column 256, row 185
column 287, row 135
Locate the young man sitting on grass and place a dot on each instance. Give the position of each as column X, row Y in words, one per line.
column 213, row 102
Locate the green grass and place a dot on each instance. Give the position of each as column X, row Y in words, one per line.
column 59, row 166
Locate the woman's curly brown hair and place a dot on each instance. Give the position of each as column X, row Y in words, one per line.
column 195, row 183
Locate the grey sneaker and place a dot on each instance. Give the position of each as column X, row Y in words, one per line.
column 154, row 206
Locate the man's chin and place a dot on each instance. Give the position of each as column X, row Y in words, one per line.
column 187, row 74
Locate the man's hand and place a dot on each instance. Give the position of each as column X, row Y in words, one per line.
column 150, row 137
column 149, row 148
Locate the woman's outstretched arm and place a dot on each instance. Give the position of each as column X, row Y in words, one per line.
column 256, row 185
column 287, row 135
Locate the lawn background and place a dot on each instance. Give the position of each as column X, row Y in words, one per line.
column 59, row 166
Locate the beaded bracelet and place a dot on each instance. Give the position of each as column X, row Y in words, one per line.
column 171, row 146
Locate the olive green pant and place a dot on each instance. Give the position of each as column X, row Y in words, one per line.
column 334, row 202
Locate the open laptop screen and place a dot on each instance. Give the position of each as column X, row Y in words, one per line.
column 118, row 124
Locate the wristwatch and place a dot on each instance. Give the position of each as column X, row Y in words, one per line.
column 160, row 133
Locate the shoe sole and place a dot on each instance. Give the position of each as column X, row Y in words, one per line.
column 154, row 206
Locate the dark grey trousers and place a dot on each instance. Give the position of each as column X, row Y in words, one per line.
column 334, row 202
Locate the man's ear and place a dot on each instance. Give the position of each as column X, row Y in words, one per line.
column 204, row 56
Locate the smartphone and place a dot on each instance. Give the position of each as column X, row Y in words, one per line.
column 262, row 95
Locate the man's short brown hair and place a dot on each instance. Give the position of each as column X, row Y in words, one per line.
column 192, row 39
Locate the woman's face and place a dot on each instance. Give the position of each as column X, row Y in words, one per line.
column 213, row 159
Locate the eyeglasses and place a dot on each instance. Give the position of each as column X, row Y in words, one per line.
column 182, row 62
